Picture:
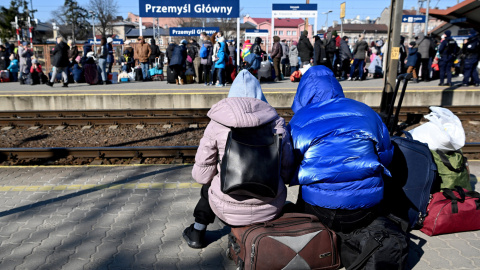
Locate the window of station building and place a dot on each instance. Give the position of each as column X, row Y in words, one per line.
column 294, row 33
column 275, row 32
column 289, row 33
column 280, row 33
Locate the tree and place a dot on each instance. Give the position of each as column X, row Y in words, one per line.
column 73, row 15
column 106, row 12
column 7, row 15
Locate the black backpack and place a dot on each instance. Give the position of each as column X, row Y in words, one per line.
column 381, row 245
column 252, row 161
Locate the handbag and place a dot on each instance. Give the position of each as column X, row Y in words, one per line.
column 251, row 163
column 453, row 210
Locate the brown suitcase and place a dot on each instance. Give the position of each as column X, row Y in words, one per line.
column 293, row 241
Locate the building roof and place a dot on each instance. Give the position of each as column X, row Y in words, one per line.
column 280, row 22
column 359, row 28
column 466, row 14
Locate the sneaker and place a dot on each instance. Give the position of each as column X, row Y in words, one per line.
column 206, row 84
column 219, row 85
column 193, row 237
column 349, row 79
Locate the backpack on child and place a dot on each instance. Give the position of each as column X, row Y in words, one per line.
column 252, row 162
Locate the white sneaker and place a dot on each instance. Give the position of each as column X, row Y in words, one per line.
column 349, row 79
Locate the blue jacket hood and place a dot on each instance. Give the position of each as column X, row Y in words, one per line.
column 318, row 84
column 246, row 85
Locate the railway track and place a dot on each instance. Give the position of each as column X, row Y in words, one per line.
column 178, row 153
column 165, row 116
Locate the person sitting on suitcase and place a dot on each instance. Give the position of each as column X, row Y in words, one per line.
column 343, row 148
column 244, row 107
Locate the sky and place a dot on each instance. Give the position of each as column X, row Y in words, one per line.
column 262, row 8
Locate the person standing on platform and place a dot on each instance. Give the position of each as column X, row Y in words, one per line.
column 471, row 50
column 285, row 57
column 293, row 57
column 195, row 48
column 155, row 52
column 401, row 57
column 359, row 53
column 178, row 61
column 305, row 49
column 72, row 55
column 102, row 53
column 320, row 56
column 276, row 55
column 424, row 44
column 206, row 60
column 142, row 54
column 3, row 58
column 345, row 57
column 25, row 56
column 60, row 62
column 412, row 60
column 13, row 68
column 220, row 64
column 110, row 57
column 448, row 50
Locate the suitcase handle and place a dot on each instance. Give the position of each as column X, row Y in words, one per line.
column 292, row 215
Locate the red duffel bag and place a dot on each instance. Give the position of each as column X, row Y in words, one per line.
column 453, row 210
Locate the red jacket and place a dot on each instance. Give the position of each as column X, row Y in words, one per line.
column 38, row 69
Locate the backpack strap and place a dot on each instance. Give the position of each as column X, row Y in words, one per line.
column 372, row 245
column 447, row 163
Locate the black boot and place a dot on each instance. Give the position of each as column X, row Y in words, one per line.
column 49, row 83
column 65, row 85
column 195, row 238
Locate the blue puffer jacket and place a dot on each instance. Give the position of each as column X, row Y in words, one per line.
column 343, row 144
column 221, row 56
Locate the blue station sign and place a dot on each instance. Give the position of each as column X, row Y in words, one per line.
column 256, row 31
column 190, row 8
column 115, row 41
column 413, row 18
column 294, row 7
column 192, row 31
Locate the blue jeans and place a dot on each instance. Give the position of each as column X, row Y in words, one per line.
column 445, row 67
column 14, row 76
column 144, row 66
column 357, row 62
column 212, row 73
column 102, row 67
column 220, row 75
column 293, row 69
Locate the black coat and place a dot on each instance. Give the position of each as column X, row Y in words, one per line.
column 155, row 51
column 170, row 49
column 305, row 49
column 3, row 60
column 60, row 55
column 320, row 55
column 179, row 56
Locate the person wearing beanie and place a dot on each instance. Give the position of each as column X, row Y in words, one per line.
column 305, row 49
column 412, row 60
column 276, row 55
column 245, row 107
column 142, row 53
column 293, row 57
column 471, row 50
column 25, row 61
column 359, row 52
column 448, row 51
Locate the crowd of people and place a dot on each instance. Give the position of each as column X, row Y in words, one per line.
column 212, row 59
column 426, row 57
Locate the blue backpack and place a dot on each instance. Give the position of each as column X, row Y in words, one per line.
column 203, row 52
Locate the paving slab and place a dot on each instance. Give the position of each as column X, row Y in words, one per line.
column 132, row 217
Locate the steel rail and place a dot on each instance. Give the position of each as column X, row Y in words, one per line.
column 163, row 116
column 127, row 152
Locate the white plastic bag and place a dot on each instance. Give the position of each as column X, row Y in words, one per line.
column 305, row 68
column 444, row 132
column 131, row 76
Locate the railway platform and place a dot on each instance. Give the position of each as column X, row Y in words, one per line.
column 132, row 217
column 160, row 95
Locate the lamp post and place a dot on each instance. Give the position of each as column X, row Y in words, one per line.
column 93, row 27
column 326, row 22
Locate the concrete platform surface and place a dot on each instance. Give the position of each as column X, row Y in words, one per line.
column 156, row 95
column 132, row 217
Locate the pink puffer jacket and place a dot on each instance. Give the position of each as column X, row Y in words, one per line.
column 237, row 112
